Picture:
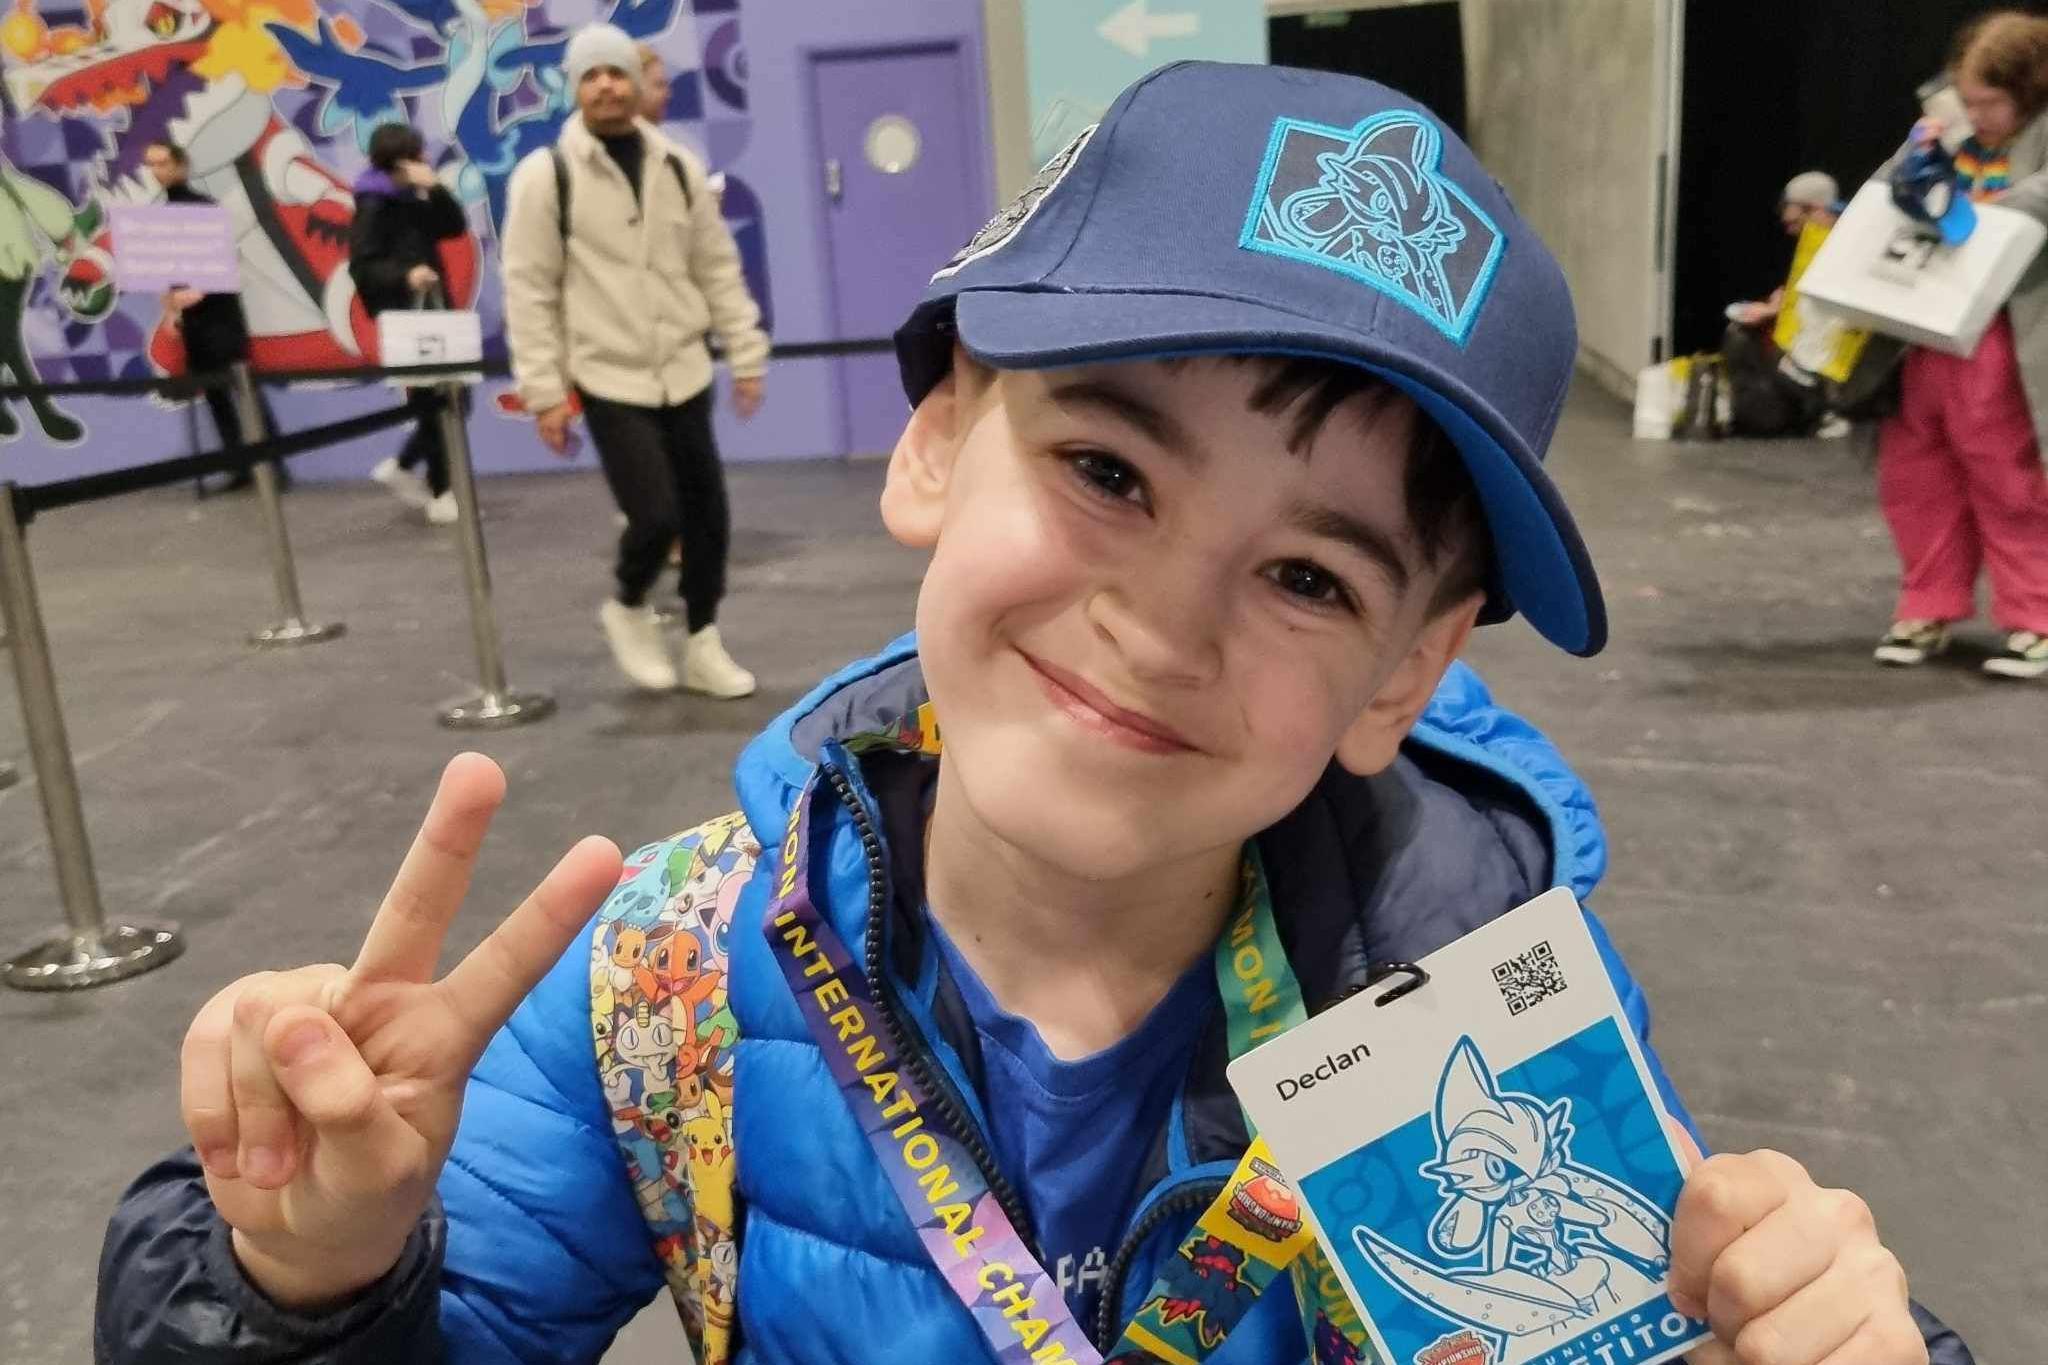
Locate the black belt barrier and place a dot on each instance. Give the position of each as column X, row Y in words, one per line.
column 186, row 385
column 89, row 487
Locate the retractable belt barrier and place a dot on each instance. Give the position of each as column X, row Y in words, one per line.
column 89, row 951
column 186, row 385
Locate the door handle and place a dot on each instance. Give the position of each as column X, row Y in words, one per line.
column 835, row 187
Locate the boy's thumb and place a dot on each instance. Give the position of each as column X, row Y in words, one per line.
column 1688, row 1150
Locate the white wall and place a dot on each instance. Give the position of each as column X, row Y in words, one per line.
column 1567, row 107
column 1055, row 66
column 1009, row 96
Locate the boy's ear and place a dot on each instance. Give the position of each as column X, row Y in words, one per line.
column 1373, row 740
column 921, row 466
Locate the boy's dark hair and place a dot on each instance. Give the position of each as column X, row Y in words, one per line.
column 393, row 143
column 173, row 151
column 1441, row 500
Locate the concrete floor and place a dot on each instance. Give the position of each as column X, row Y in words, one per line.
column 1830, row 878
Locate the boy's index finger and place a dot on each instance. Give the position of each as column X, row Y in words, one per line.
column 487, row 986
column 404, row 941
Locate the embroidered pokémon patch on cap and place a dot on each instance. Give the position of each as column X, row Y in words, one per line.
column 1371, row 203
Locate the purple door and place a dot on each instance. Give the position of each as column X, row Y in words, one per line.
column 900, row 166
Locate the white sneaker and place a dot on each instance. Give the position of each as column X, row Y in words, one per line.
column 442, row 511
column 1833, row 427
column 636, row 642
column 707, row 668
column 2025, row 656
column 408, row 487
column 1910, row 643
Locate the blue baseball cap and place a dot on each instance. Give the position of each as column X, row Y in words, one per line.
column 1924, row 187
column 1223, row 209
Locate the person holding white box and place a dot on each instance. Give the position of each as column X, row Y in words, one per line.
column 1960, row 472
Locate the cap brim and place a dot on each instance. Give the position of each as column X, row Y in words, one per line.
column 1542, row 566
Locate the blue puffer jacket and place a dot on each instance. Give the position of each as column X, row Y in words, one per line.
column 547, row 1252
column 1478, row 816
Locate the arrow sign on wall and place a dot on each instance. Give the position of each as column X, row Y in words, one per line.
column 1133, row 27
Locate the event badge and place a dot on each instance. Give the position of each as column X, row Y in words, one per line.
column 1485, row 1159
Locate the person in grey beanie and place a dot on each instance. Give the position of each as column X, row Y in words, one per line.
column 1770, row 393
column 617, row 268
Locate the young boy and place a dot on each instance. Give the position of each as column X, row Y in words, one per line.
column 1225, row 437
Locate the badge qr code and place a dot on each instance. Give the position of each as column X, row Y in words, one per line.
column 1529, row 978
column 1493, row 1182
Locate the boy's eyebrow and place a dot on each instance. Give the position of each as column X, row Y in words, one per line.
column 1369, row 540
column 1156, row 425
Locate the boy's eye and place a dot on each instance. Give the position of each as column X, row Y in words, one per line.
column 1109, row 475
column 1309, row 581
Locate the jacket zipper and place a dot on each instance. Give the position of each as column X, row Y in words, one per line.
column 1195, row 1196
column 952, row 1112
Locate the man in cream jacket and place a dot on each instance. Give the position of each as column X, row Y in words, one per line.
column 617, row 265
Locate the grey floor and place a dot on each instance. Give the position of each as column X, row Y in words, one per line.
column 1831, row 879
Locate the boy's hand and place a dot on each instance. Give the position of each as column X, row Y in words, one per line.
column 323, row 1101
column 1786, row 1272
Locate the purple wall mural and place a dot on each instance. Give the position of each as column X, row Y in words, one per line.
column 275, row 99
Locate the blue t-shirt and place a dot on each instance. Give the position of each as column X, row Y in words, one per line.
column 1071, row 1136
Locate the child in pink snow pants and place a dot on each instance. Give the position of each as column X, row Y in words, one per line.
column 1960, row 474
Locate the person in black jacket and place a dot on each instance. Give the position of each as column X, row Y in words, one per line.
column 215, row 333
column 403, row 214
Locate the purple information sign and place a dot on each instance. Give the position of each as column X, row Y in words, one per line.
column 164, row 246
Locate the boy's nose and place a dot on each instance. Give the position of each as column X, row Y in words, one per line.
column 1166, row 625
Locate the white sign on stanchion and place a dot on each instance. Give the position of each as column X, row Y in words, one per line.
column 430, row 336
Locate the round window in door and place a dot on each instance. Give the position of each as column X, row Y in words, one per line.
column 892, row 144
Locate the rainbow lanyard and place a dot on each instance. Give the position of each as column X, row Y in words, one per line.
column 1251, row 1232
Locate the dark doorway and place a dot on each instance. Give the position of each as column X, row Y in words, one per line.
column 1417, row 49
column 1772, row 89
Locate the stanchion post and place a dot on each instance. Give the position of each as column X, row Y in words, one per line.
column 8, row 775
column 496, row 706
column 89, row 951
column 293, row 629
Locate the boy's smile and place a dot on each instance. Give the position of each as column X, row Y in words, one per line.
column 1154, row 614
column 1095, row 712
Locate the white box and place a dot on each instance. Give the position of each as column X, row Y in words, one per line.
column 429, row 336
column 1878, row 271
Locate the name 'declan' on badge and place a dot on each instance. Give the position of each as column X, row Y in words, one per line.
column 1332, row 1063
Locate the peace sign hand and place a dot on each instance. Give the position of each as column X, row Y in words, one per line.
column 323, row 1101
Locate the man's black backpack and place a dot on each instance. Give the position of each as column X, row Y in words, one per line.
column 675, row 166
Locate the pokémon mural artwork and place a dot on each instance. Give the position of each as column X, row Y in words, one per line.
column 274, row 101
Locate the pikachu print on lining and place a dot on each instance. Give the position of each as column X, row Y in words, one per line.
column 663, row 1029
